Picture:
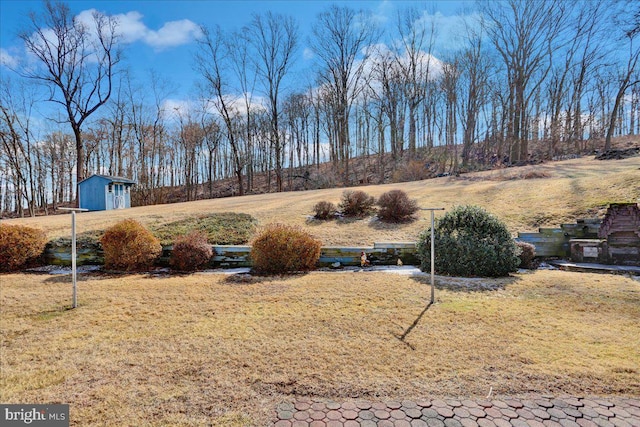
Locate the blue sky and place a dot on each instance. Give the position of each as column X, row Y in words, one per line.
column 161, row 34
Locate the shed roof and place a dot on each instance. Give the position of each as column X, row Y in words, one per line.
column 112, row 179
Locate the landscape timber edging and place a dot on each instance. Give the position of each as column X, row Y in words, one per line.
column 231, row 256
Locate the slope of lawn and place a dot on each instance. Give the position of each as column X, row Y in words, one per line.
column 524, row 197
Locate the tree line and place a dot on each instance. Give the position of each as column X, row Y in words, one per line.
column 560, row 76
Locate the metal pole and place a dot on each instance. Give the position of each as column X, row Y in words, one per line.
column 433, row 275
column 74, row 303
column 73, row 259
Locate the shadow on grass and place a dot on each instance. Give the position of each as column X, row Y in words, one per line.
column 52, row 313
column 411, row 327
column 467, row 284
column 252, row 278
column 455, row 284
column 378, row 224
column 108, row 275
column 340, row 220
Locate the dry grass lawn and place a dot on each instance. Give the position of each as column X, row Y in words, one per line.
column 563, row 192
column 223, row 350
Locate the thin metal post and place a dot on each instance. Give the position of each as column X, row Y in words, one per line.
column 73, row 259
column 74, row 303
column 433, row 274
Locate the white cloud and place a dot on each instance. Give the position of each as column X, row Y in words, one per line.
column 450, row 31
column 130, row 27
column 171, row 34
column 7, row 60
column 382, row 13
column 308, row 54
column 174, row 108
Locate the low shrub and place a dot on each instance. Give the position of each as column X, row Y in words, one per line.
column 527, row 255
column 191, row 252
column 324, row 210
column 356, row 204
column 469, row 241
column 395, row 206
column 20, row 246
column 280, row 249
column 224, row 228
column 129, row 246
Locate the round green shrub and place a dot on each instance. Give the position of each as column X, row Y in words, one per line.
column 280, row 249
column 356, row 204
column 469, row 241
column 20, row 246
column 129, row 246
column 395, row 206
column 191, row 252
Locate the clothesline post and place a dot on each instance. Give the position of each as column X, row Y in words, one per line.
column 74, row 303
column 433, row 275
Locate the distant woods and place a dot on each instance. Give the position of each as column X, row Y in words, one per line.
column 500, row 84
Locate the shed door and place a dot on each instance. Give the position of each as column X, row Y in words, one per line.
column 118, row 196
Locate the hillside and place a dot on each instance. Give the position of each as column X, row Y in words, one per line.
column 524, row 197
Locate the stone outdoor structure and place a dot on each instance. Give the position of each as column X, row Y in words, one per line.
column 620, row 229
column 614, row 240
column 618, row 239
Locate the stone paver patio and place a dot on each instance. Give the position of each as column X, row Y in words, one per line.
column 538, row 411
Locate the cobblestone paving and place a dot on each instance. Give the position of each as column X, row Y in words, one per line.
column 534, row 412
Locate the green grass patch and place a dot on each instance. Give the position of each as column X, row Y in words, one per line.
column 226, row 228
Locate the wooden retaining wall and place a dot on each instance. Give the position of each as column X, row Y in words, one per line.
column 228, row 256
column 554, row 242
column 549, row 242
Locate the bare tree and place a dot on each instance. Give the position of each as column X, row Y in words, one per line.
column 387, row 89
column 191, row 137
column 339, row 37
column 415, row 61
column 245, row 72
column 474, row 64
column 212, row 63
column 627, row 77
column 77, row 63
column 449, row 85
column 523, row 33
column 18, row 150
column 274, row 38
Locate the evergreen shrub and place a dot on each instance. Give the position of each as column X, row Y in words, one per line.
column 469, row 241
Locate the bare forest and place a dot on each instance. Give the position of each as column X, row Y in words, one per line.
column 526, row 81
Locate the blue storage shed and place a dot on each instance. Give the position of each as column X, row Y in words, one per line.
column 102, row 192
